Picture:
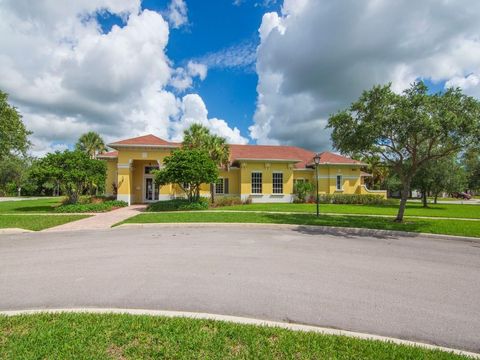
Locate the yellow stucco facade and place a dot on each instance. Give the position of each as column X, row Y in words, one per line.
column 129, row 177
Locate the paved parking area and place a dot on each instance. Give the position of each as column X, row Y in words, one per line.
column 403, row 286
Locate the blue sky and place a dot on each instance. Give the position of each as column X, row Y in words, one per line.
column 229, row 92
column 257, row 71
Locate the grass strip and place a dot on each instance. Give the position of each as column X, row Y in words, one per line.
column 121, row 336
column 36, row 222
column 30, row 206
column 446, row 227
column 413, row 209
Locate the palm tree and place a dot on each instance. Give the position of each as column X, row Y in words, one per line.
column 91, row 143
column 199, row 137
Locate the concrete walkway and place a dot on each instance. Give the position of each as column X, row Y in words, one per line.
column 100, row 220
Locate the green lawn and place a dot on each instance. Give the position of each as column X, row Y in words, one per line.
column 30, row 206
column 448, row 227
column 413, row 209
column 90, row 336
column 36, row 222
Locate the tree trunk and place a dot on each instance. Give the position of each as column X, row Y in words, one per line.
column 435, row 198
column 403, row 201
column 212, row 192
column 424, row 198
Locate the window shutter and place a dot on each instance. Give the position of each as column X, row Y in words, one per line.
column 225, row 186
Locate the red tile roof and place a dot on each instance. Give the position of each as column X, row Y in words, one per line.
column 301, row 157
column 332, row 158
column 271, row 152
column 146, row 140
column 110, row 154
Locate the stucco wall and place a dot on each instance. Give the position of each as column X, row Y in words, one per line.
column 129, row 170
column 111, row 176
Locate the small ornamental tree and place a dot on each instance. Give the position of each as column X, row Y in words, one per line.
column 199, row 137
column 302, row 189
column 408, row 130
column 188, row 169
column 74, row 171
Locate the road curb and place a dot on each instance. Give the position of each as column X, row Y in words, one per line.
column 331, row 230
column 243, row 320
column 8, row 231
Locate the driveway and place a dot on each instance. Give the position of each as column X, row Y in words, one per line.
column 413, row 288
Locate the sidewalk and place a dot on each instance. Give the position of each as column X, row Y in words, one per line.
column 100, row 220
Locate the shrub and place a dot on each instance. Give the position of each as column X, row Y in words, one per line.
column 178, row 204
column 301, row 190
column 227, row 201
column 91, row 207
column 368, row 199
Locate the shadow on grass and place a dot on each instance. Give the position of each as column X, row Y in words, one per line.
column 42, row 208
column 365, row 226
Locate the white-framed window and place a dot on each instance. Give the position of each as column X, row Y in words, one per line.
column 256, row 182
column 277, row 182
column 221, row 186
column 339, row 182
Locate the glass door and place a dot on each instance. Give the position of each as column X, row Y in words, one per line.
column 149, row 191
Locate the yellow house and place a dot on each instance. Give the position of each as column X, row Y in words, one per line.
column 260, row 173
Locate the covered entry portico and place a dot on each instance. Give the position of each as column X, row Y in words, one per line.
column 134, row 181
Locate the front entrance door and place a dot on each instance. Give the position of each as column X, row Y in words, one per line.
column 151, row 191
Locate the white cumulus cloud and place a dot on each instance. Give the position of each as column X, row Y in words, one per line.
column 316, row 57
column 194, row 111
column 67, row 77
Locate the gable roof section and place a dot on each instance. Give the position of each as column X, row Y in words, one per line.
column 271, row 152
column 327, row 157
column 108, row 155
column 145, row 140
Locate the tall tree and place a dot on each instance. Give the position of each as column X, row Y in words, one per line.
column 199, row 137
column 91, row 143
column 407, row 130
column 13, row 134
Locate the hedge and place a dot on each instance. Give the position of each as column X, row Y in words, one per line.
column 91, row 207
column 178, row 205
column 368, row 199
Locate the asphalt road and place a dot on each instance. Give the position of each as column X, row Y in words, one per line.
column 412, row 288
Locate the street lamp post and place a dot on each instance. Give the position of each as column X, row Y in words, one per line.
column 316, row 160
